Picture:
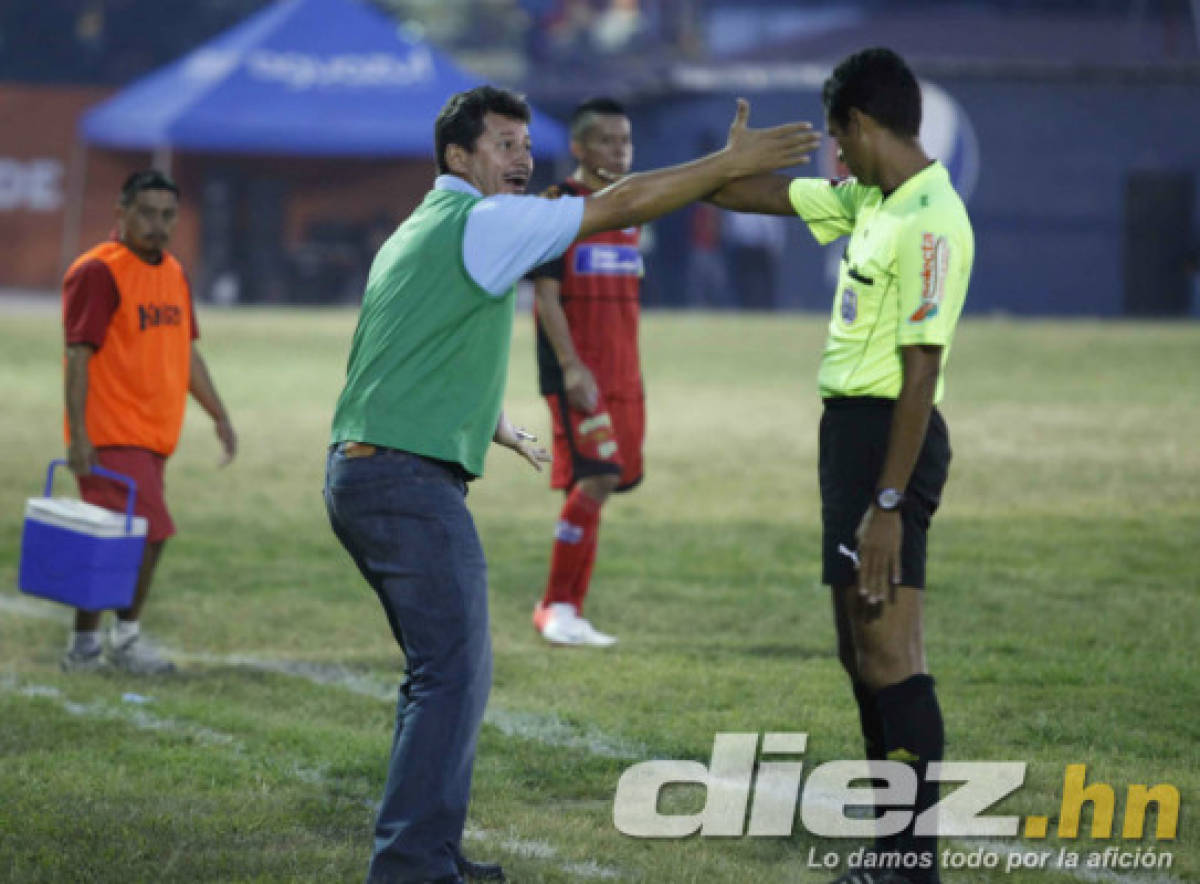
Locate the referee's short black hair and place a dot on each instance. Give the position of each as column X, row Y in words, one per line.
column 582, row 116
column 145, row 179
column 461, row 120
column 880, row 85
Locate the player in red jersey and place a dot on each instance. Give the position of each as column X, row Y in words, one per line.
column 586, row 311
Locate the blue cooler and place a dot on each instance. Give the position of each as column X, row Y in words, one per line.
column 78, row 553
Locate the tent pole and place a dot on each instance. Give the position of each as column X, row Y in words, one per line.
column 73, row 211
column 161, row 159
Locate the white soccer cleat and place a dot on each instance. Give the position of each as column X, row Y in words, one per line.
column 593, row 637
column 559, row 624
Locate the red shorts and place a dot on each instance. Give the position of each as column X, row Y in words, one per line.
column 607, row 441
column 144, row 467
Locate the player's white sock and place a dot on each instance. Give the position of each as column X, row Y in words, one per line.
column 125, row 631
column 85, row 642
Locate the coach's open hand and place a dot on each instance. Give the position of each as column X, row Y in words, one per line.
column 765, row 150
column 521, row 441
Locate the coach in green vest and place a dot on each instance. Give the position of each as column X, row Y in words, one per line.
column 884, row 448
column 420, row 408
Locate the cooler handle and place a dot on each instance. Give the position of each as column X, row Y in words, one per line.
column 99, row 471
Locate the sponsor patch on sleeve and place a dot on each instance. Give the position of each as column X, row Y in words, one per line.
column 935, row 264
column 568, row 533
column 849, row 306
column 603, row 259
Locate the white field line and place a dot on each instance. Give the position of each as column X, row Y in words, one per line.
column 23, row 606
column 547, row 730
column 550, row 731
column 133, row 712
column 129, row 712
column 530, row 849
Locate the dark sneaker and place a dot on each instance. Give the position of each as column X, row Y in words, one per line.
column 82, row 661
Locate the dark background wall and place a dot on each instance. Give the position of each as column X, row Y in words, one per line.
column 1086, row 118
column 1059, row 165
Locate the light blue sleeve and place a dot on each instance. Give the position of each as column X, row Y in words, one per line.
column 508, row 235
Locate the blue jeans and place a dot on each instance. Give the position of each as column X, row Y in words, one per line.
column 404, row 521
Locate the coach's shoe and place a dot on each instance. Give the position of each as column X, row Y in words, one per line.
column 473, row 871
column 75, row 660
column 870, row 876
column 138, row 656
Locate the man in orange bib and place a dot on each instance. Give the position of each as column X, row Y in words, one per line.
column 131, row 360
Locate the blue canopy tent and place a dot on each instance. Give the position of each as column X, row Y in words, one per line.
column 308, row 79
column 300, row 78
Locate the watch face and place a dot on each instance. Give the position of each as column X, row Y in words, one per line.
column 889, row 499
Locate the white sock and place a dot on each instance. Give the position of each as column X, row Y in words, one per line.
column 125, row 631
column 85, row 642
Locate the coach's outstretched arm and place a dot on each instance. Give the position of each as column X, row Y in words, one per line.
column 648, row 195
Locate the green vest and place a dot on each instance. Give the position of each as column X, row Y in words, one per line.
column 429, row 358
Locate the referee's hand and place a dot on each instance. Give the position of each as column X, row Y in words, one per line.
column 879, row 535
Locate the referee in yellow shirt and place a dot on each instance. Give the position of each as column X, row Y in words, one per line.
column 884, row 448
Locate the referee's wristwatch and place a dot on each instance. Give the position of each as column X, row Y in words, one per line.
column 889, row 499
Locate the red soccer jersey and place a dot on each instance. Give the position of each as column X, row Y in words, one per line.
column 601, row 281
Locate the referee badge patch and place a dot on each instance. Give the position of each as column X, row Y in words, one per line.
column 849, row 306
column 935, row 261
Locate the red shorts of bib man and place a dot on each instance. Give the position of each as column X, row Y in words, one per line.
column 147, row 469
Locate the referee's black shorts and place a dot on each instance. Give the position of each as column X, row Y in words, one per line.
column 853, row 444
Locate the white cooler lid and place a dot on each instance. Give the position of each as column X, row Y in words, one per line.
column 86, row 518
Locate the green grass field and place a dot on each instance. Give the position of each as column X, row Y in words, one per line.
column 1062, row 615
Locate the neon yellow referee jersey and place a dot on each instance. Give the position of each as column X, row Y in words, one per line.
column 903, row 276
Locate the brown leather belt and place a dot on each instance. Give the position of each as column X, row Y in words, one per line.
column 357, row 449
